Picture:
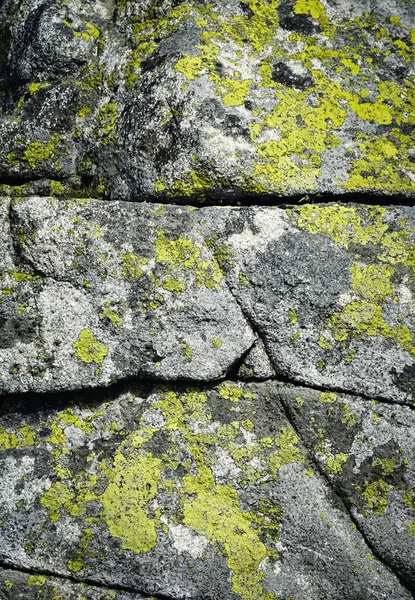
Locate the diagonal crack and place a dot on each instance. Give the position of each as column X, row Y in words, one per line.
column 408, row 585
column 4, row 564
column 300, row 383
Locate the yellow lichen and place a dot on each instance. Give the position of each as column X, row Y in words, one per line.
column 89, row 349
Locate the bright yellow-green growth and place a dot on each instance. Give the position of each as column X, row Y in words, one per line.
column 133, row 484
column 37, row 152
column 375, row 496
column 328, row 397
column 173, row 285
column 107, row 119
column 111, row 315
column 89, row 349
column 36, row 580
column 335, row 463
column 57, row 188
column 131, row 265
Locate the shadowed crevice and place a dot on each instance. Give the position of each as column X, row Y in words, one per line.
column 223, row 198
column 4, row 564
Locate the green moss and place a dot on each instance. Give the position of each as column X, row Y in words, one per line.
column 36, row 580
column 387, row 464
column 324, row 343
column 111, row 315
column 176, row 252
column 160, row 185
column 411, row 528
column 57, row 188
column 372, row 285
column 216, row 343
column 230, row 392
column 35, row 87
column 84, row 111
column 8, row 584
column 57, row 497
column 19, row 276
column 24, row 436
column 133, row 484
column 107, row 119
column 192, row 185
column 292, row 317
column 37, row 152
column 349, row 418
column 89, row 33
column 182, row 252
column 372, row 282
column 215, row 512
column 328, row 397
column 186, row 351
column 89, row 349
column 75, row 565
column 173, row 285
column 288, row 450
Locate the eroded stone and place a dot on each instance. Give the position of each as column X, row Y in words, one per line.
column 154, row 489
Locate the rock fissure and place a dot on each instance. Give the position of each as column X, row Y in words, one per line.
column 409, row 585
column 6, row 565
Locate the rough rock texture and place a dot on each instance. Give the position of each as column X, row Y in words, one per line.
column 132, row 100
column 207, row 311
column 100, row 291
column 155, row 489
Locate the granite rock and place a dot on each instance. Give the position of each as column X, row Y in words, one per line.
column 153, row 489
column 94, row 292
column 207, row 101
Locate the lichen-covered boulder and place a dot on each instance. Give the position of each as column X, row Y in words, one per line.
column 198, row 100
column 94, row 291
column 207, row 310
column 107, row 291
column 366, row 450
column 154, row 489
column 329, row 288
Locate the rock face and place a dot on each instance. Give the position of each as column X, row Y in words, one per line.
column 130, row 100
column 207, row 312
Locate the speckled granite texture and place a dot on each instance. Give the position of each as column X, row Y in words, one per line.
column 207, row 312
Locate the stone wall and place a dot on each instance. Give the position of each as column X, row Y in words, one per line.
column 207, row 312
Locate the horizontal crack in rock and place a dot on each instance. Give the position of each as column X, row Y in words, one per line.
column 4, row 564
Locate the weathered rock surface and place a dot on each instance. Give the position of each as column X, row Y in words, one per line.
column 155, row 489
column 131, row 100
column 260, row 441
column 93, row 292
column 15, row 585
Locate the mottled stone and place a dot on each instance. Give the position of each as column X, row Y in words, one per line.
column 366, row 449
column 107, row 291
column 195, row 100
column 155, row 489
column 98, row 291
column 16, row 585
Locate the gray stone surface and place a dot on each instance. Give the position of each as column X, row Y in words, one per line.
column 366, row 450
column 207, row 313
column 154, row 489
column 96, row 291
column 16, row 585
column 194, row 100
